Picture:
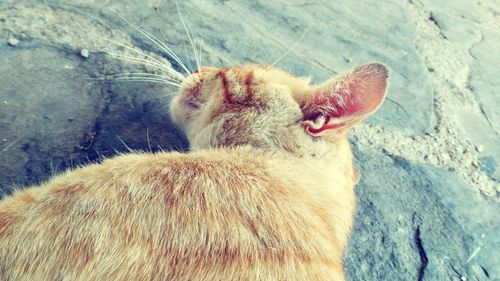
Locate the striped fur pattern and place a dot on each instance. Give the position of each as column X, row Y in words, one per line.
column 267, row 192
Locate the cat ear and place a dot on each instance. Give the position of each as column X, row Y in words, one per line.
column 338, row 104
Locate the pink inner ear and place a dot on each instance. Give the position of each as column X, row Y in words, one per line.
column 349, row 97
column 357, row 98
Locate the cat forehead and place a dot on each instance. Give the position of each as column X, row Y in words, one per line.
column 256, row 83
column 255, row 73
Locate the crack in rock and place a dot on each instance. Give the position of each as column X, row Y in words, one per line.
column 481, row 39
column 424, row 261
column 423, row 256
column 433, row 19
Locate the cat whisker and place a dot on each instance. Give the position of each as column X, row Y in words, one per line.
column 126, row 146
column 137, row 75
column 174, row 75
column 157, row 42
column 142, row 79
column 289, row 50
column 187, row 32
column 190, row 82
column 138, row 51
column 145, row 75
column 187, row 57
column 136, row 79
column 162, row 97
column 196, row 54
column 201, row 49
column 147, row 138
column 10, row 145
column 195, row 49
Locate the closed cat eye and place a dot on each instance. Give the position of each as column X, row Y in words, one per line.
column 193, row 104
column 295, row 122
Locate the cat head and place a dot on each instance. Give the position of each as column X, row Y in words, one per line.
column 266, row 107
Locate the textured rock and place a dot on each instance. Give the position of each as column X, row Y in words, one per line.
column 416, row 222
column 47, row 106
column 488, row 165
column 53, row 117
column 475, row 29
column 485, row 82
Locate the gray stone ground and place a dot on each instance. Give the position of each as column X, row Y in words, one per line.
column 429, row 195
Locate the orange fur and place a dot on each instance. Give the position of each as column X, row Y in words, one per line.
column 258, row 198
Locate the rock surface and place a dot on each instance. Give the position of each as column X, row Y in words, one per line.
column 476, row 28
column 428, row 199
column 416, row 222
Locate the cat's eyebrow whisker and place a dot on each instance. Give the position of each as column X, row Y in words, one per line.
column 187, row 57
column 196, row 46
column 174, row 75
column 187, row 32
column 157, row 42
column 289, row 50
column 195, row 50
column 201, row 49
column 189, row 66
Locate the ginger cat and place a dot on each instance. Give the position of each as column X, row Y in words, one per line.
column 267, row 192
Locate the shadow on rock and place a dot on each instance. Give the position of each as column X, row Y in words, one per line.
column 54, row 117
